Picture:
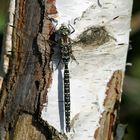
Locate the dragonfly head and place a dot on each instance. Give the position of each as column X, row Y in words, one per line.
column 64, row 30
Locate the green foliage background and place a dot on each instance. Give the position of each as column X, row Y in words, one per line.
column 131, row 95
column 3, row 13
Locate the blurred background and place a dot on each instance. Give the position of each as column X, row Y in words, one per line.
column 130, row 105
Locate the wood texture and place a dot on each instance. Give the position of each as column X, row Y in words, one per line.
column 28, row 77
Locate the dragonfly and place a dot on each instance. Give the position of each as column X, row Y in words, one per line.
column 61, row 39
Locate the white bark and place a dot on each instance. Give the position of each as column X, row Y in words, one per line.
column 98, row 60
column 8, row 42
column 4, row 64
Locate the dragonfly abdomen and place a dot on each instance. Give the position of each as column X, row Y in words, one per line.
column 67, row 97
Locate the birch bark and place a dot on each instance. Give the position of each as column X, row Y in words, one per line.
column 101, row 41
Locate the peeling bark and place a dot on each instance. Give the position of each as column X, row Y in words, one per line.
column 106, row 131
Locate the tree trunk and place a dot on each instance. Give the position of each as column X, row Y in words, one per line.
column 25, row 72
column 31, row 98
